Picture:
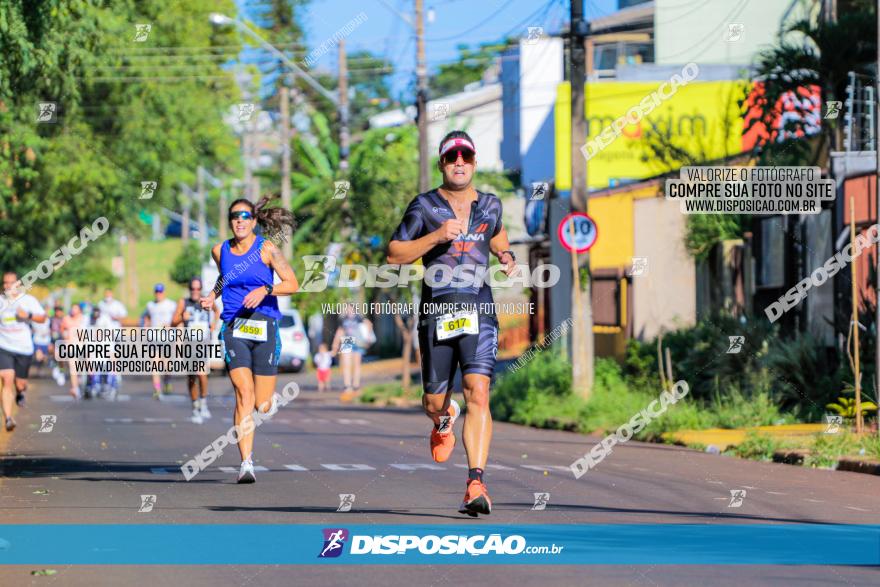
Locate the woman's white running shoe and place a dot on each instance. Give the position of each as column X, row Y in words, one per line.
column 246, row 472
column 204, row 409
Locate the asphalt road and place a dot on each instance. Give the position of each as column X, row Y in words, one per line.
column 101, row 457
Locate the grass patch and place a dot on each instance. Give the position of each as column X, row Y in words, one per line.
column 389, row 393
column 539, row 394
column 757, row 447
column 827, row 449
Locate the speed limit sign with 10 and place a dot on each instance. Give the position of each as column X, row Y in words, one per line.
column 585, row 232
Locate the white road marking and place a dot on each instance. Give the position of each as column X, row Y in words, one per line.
column 295, row 468
column 850, row 507
column 547, row 468
column 776, row 493
column 415, row 466
column 173, row 399
column 257, row 468
column 157, row 420
column 118, row 420
column 347, row 467
column 63, row 399
column 813, row 500
column 347, row 421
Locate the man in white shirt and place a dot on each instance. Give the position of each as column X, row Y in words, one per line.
column 112, row 308
column 110, row 312
column 16, row 343
column 159, row 314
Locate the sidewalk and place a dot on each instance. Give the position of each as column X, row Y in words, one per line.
column 726, row 438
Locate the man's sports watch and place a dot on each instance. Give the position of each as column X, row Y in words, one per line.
column 512, row 255
column 269, row 289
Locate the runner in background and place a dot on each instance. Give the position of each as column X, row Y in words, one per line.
column 42, row 340
column 323, row 362
column 56, row 333
column 69, row 325
column 159, row 314
column 191, row 314
column 111, row 311
column 16, row 343
column 350, row 343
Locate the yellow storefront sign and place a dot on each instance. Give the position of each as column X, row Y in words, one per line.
column 701, row 118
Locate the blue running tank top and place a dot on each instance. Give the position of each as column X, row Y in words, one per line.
column 241, row 274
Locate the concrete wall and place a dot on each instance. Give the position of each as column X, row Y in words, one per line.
column 480, row 117
column 529, row 76
column 698, row 31
column 665, row 296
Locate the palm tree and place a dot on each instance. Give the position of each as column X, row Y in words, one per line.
column 813, row 51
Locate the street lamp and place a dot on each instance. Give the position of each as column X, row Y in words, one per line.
column 218, row 19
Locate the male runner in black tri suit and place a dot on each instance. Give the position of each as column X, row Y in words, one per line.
column 458, row 227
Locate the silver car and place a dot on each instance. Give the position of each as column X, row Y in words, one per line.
column 295, row 348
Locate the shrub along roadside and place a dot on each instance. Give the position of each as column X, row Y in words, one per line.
column 822, row 450
column 539, row 394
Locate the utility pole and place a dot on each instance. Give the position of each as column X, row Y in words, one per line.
column 343, row 107
column 184, row 227
column 246, row 152
column 285, row 162
column 203, row 224
column 582, row 312
column 422, row 99
column 222, row 221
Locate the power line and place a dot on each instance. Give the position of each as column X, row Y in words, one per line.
column 494, row 14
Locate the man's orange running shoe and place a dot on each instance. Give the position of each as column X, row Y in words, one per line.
column 442, row 437
column 476, row 499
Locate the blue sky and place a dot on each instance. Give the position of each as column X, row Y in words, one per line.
column 455, row 22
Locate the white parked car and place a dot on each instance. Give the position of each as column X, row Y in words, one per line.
column 295, row 348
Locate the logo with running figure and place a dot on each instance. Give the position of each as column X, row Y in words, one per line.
column 147, row 503
column 346, row 501
column 47, row 112
column 334, row 541
column 318, row 269
column 47, row 422
column 736, row 344
column 541, row 501
column 737, row 496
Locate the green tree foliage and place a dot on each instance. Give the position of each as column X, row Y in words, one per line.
column 470, row 67
column 813, row 51
column 127, row 112
column 368, row 78
column 188, row 263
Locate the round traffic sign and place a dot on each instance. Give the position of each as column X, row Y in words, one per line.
column 585, row 232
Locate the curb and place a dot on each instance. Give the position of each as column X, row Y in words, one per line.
column 870, row 467
column 791, row 457
column 853, row 465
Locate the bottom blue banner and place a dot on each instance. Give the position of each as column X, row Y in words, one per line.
column 625, row 544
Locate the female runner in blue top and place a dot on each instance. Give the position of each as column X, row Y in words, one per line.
column 250, row 312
